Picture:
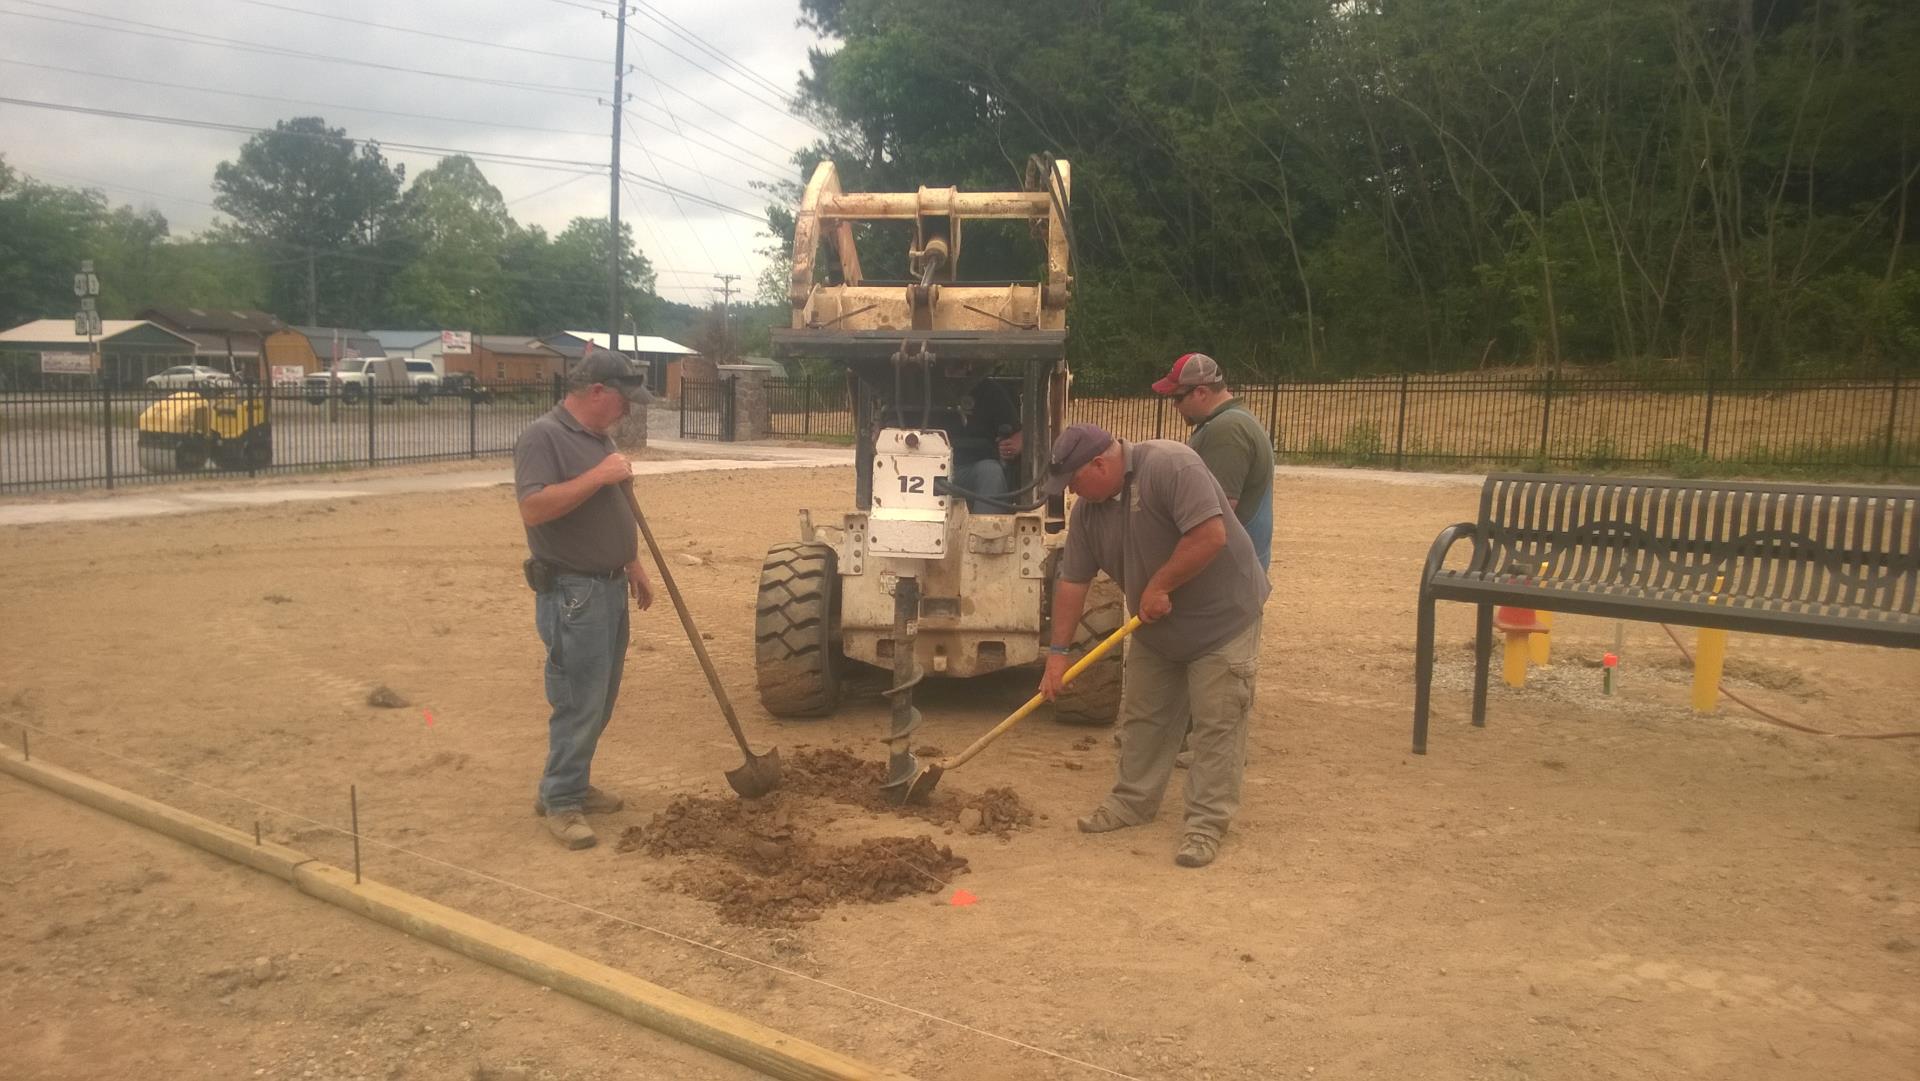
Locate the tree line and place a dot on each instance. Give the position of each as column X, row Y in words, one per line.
column 321, row 229
column 1323, row 188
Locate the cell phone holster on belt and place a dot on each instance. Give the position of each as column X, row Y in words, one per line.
column 540, row 575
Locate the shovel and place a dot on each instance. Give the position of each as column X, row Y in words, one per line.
column 760, row 773
column 922, row 786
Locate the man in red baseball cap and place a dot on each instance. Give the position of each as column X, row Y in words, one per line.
column 1236, row 448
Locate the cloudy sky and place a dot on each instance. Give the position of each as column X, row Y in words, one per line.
column 704, row 117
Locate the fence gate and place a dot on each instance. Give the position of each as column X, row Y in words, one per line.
column 706, row 409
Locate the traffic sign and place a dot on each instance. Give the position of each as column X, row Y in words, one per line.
column 87, row 323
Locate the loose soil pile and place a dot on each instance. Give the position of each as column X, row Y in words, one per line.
column 760, row 865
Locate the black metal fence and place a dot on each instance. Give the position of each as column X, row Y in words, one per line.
column 1684, row 426
column 114, row 436
column 706, row 409
column 808, row 408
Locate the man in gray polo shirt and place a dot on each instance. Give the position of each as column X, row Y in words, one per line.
column 575, row 491
column 1155, row 520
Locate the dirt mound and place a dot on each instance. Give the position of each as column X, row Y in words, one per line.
column 830, row 773
column 761, row 862
column 749, row 859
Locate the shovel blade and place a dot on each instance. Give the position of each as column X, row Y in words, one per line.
column 757, row 776
column 922, row 786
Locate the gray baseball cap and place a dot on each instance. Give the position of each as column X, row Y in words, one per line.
column 613, row 370
column 1078, row 445
column 1190, row 370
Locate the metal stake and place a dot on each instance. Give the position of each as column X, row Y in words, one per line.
column 26, row 745
column 256, row 833
column 353, row 802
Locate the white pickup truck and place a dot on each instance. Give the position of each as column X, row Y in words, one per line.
column 353, row 378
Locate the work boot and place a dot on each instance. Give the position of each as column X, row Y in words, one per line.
column 598, row 802
column 1197, row 850
column 1102, row 820
column 570, row 829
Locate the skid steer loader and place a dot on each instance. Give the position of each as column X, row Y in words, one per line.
column 929, row 575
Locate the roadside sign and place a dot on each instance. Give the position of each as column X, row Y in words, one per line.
column 86, row 323
column 86, row 285
column 66, row 363
column 288, row 375
column 456, row 341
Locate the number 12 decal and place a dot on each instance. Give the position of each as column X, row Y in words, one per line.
column 913, row 484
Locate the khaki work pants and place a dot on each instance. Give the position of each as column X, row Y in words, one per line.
column 1215, row 692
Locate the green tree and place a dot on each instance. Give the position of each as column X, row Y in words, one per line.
column 323, row 207
column 44, row 233
column 562, row 283
column 456, row 227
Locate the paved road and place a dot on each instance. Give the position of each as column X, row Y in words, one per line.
column 24, row 510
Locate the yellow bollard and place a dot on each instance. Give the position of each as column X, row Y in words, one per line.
column 1514, row 670
column 1709, row 661
column 1540, row 643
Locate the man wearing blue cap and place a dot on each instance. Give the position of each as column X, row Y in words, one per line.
column 1152, row 516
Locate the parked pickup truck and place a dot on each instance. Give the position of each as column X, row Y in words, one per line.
column 354, row 378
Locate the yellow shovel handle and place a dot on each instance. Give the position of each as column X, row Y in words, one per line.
column 1018, row 715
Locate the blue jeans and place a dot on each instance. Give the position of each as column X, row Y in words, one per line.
column 583, row 622
column 988, row 476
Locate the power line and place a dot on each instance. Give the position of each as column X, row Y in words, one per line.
column 294, row 101
column 197, row 38
column 527, row 161
column 724, row 81
column 491, row 157
column 702, row 44
column 436, row 34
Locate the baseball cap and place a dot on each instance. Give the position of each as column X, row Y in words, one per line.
column 1078, row 445
column 1191, row 370
column 614, row 370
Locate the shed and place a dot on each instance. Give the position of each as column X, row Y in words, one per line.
column 47, row 354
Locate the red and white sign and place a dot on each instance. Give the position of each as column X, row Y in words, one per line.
column 456, row 341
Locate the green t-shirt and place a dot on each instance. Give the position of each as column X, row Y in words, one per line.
column 1239, row 453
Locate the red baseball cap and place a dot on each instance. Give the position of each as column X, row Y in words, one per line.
column 1191, row 370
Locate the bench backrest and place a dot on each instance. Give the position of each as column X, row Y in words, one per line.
column 1806, row 543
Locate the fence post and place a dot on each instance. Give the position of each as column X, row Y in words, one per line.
column 1893, row 414
column 1159, row 414
column 373, row 399
column 473, row 424
column 806, row 410
column 247, row 425
column 1706, row 432
column 106, row 407
column 1546, row 413
column 686, row 399
column 1273, row 418
column 733, row 390
column 1400, row 426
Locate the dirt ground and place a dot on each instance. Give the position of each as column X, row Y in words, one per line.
column 1588, row 888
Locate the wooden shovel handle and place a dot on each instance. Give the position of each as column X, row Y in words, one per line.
column 1018, row 715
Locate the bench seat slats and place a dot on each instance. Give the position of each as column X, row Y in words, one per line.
column 1826, row 562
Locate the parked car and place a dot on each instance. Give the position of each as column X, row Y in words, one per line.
column 188, row 377
column 466, row 386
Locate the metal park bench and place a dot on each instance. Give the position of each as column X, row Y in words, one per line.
column 1840, row 564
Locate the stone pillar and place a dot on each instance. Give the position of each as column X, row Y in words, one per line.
column 750, row 417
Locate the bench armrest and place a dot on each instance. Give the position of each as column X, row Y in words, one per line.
column 1442, row 544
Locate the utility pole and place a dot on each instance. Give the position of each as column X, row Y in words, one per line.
column 613, row 211
column 726, row 306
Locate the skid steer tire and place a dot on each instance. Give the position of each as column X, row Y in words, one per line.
column 1093, row 698
column 795, row 652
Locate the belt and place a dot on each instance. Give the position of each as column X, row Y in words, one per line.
column 607, row 576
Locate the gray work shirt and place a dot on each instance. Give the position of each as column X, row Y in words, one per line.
column 596, row 537
column 1169, row 490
